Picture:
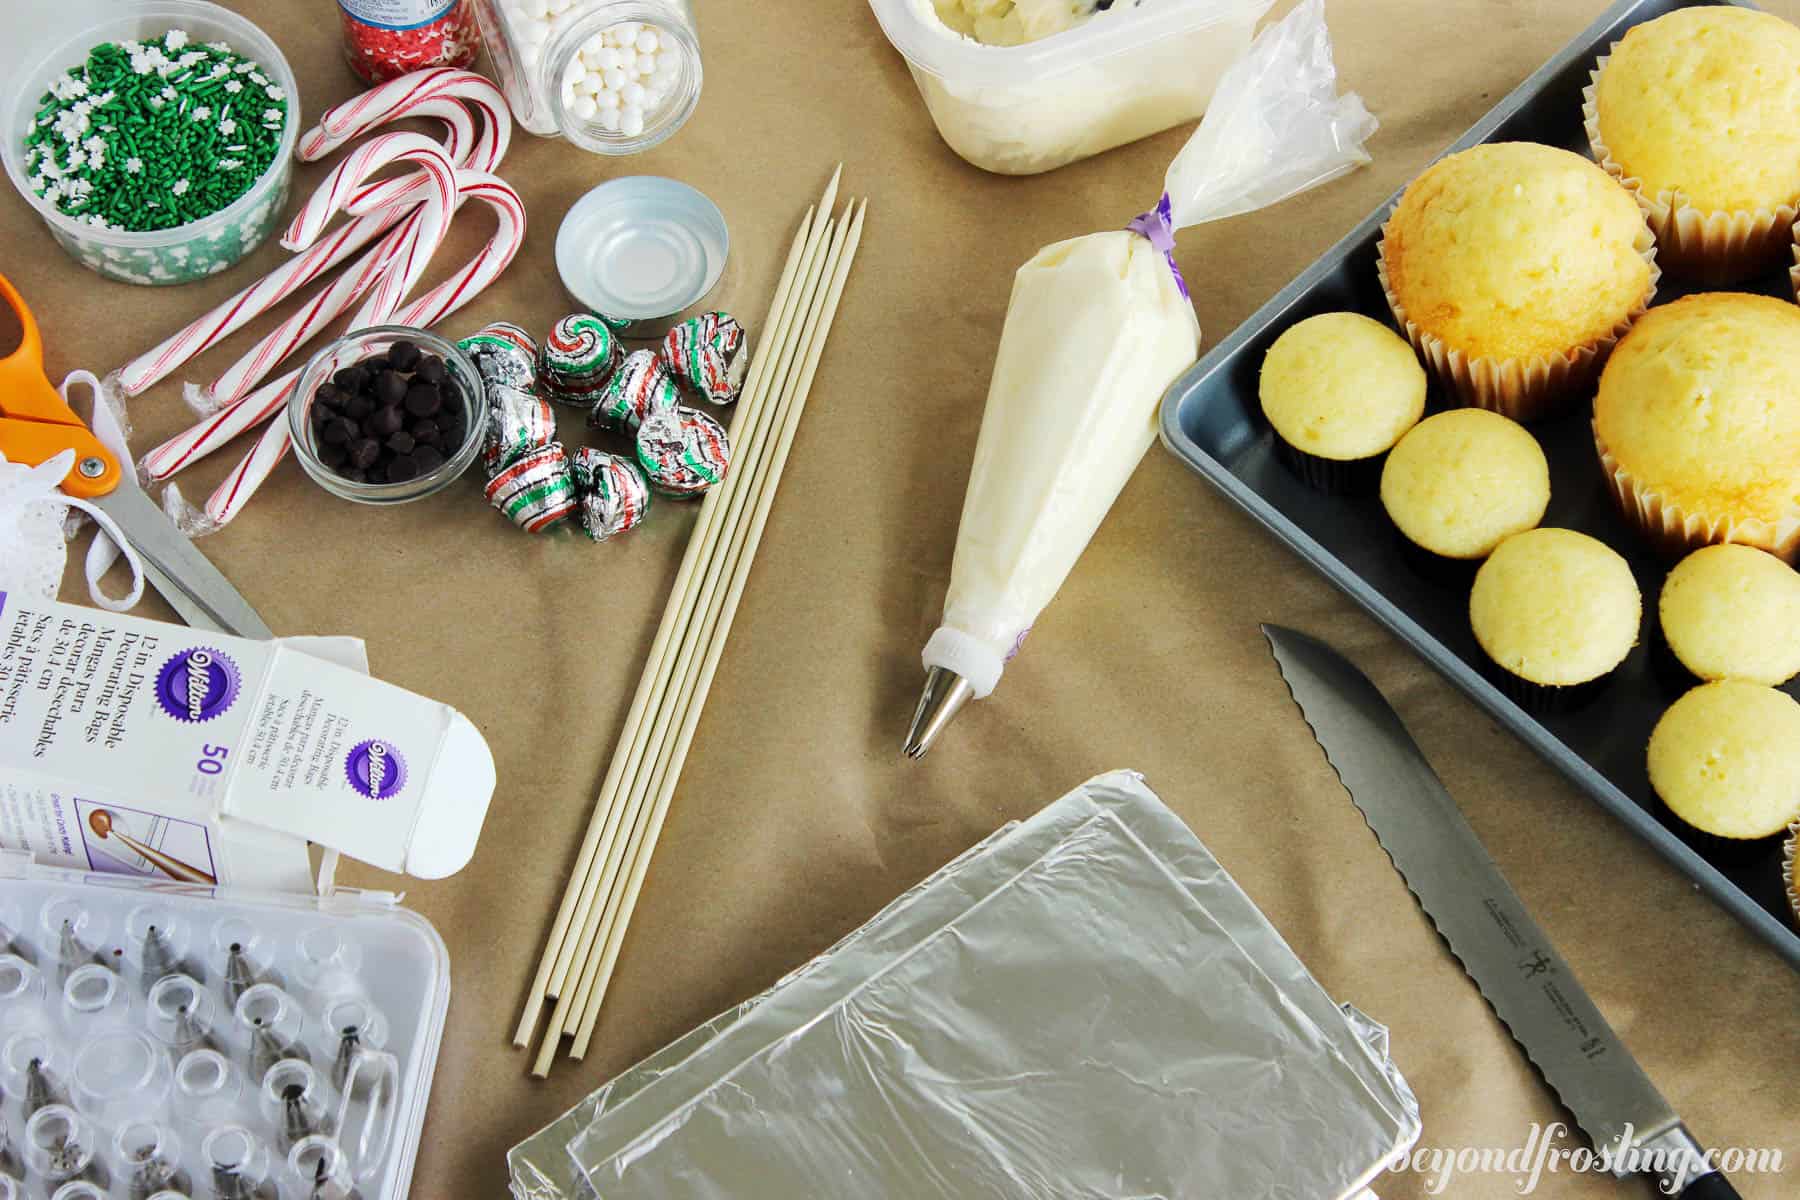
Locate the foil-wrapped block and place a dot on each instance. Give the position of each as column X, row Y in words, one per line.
column 683, row 451
column 537, row 491
column 710, row 354
column 641, row 385
column 518, row 422
column 577, row 357
column 1085, row 1004
column 504, row 355
column 615, row 496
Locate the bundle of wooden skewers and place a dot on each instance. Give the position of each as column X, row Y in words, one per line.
column 589, row 929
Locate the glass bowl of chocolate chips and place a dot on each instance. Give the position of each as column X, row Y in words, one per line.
column 387, row 415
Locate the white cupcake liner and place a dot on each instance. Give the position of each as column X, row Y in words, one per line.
column 1525, row 389
column 1675, row 531
column 1706, row 247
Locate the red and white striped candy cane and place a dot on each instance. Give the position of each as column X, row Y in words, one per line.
column 230, row 497
column 393, row 100
column 403, row 245
column 208, row 435
column 383, row 204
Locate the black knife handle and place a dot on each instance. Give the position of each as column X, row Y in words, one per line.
column 1710, row 1187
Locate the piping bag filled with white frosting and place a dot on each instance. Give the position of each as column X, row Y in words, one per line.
column 1096, row 330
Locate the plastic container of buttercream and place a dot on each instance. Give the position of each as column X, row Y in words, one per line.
column 1120, row 73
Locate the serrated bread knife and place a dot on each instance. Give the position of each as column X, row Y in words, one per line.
column 1487, row 926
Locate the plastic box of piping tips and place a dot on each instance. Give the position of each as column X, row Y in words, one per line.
column 1097, row 959
column 173, row 1038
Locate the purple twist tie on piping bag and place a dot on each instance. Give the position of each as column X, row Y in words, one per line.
column 1158, row 225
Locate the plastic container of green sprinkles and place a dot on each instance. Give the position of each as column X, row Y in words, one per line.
column 196, row 248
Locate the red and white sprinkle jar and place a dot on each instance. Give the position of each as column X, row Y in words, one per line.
column 384, row 39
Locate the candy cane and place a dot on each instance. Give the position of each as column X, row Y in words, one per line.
column 396, row 99
column 420, row 234
column 216, row 430
column 383, row 205
column 230, row 497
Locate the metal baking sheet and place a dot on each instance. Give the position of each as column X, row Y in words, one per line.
column 1212, row 420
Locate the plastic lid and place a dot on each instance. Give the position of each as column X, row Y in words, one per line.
column 642, row 248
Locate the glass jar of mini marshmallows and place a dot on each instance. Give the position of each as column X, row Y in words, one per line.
column 611, row 76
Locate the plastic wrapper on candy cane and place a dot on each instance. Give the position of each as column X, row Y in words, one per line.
column 440, row 93
column 228, row 500
column 208, row 435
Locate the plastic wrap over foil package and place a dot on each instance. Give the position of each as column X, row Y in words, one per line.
column 1084, row 1004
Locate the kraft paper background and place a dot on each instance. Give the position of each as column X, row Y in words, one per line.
column 797, row 818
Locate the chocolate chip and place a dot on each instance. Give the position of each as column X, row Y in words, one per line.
column 333, row 454
column 426, row 431
column 364, row 452
column 422, row 399
column 353, row 474
column 431, row 369
column 390, row 387
column 401, row 443
column 374, row 364
column 338, row 430
column 428, row 459
column 401, row 468
column 358, row 408
column 350, row 379
column 386, row 421
column 327, row 394
column 404, row 355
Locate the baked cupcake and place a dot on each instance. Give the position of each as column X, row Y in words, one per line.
column 1732, row 612
column 1339, row 391
column 1515, row 268
column 1698, row 423
column 1556, row 612
column 1695, row 113
column 1725, row 758
column 1461, row 482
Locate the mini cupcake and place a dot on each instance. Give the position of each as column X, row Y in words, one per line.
column 1339, row 391
column 1732, row 612
column 1515, row 268
column 1694, row 113
column 1725, row 759
column 1556, row 612
column 1461, row 482
column 1698, row 424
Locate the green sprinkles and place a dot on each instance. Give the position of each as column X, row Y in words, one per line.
column 154, row 135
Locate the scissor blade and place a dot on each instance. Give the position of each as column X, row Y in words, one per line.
column 192, row 585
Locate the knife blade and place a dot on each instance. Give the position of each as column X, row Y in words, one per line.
column 1485, row 925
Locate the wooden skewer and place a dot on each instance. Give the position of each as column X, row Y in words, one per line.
column 630, row 801
column 749, row 452
column 749, row 470
column 579, row 894
column 629, row 755
column 605, row 812
column 740, row 573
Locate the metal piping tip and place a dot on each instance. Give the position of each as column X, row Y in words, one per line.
column 945, row 694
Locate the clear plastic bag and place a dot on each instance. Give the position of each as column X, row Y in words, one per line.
column 1084, row 1004
column 1098, row 328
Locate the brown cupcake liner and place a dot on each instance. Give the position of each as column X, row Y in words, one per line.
column 1525, row 389
column 1790, row 868
column 1674, row 531
column 1711, row 248
column 1332, row 476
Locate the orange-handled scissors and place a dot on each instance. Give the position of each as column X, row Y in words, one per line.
column 36, row 425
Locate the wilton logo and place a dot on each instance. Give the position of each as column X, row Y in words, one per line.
column 375, row 769
column 197, row 685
